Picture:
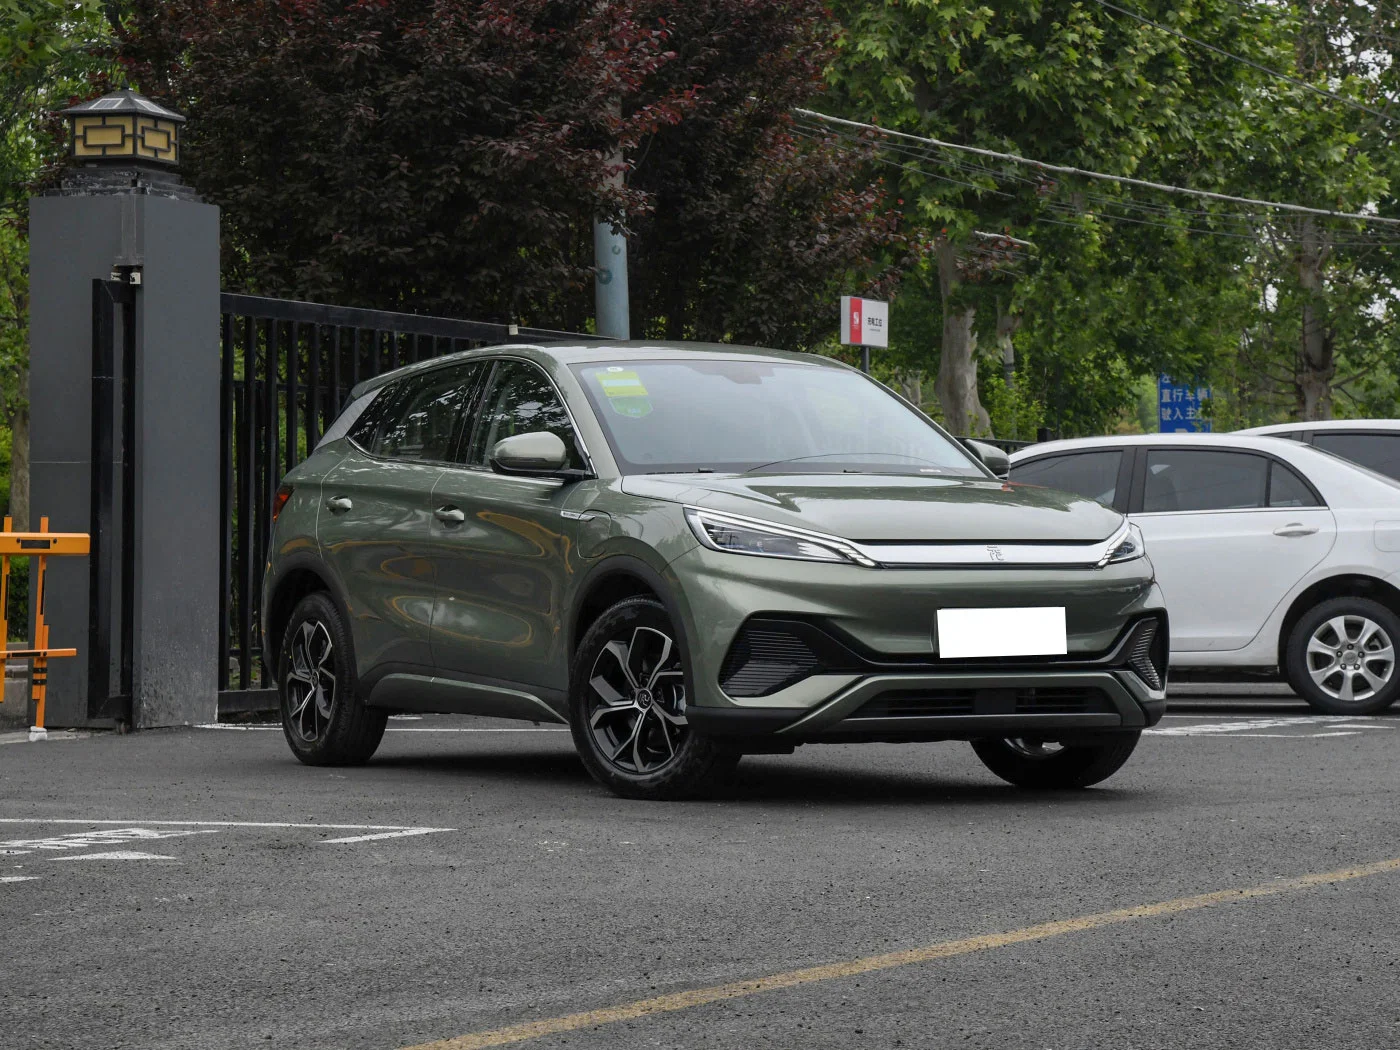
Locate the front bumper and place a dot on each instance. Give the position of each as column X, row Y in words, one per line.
column 1056, row 705
column 885, row 680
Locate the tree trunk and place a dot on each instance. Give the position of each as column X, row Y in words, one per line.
column 1316, row 361
column 19, row 457
column 1007, row 323
column 911, row 386
column 956, row 384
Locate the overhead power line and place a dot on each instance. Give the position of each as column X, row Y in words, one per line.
column 1123, row 180
column 1249, row 62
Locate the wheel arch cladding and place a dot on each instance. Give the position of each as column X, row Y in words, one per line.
column 608, row 585
column 1350, row 585
column 294, row 585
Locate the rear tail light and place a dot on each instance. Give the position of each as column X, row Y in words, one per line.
column 284, row 493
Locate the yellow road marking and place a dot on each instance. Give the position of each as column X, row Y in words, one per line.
column 661, row 1004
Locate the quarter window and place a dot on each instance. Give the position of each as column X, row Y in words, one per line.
column 1186, row 479
column 1090, row 474
column 1287, row 489
column 521, row 400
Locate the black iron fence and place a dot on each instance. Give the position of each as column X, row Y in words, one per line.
column 287, row 369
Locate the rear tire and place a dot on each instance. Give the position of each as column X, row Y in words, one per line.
column 628, row 688
column 323, row 718
column 1049, row 767
column 1340, row 657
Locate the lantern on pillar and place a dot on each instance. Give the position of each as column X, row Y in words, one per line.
column 124, row 127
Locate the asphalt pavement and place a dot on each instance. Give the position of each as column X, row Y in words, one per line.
column 1233, row 886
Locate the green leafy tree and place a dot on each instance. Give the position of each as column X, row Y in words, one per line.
column 1051, row 80
column 49, row 50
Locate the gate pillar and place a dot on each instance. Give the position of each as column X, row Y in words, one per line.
column 123, row 216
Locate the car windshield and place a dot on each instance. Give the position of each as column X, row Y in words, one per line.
column 738, row 416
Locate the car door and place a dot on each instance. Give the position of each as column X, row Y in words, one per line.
column 502, row 545
column 377, row 504
column 1100, row 474
column 1229, row 532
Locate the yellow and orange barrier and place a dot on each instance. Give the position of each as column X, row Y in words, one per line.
column 38, row 546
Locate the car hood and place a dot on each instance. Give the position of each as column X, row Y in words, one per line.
column 893, row 508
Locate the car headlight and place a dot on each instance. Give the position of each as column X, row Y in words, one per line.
column 739, row 535
column 1126, row 546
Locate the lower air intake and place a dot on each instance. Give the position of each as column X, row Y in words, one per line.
column 1145, row 657
column 765, row 659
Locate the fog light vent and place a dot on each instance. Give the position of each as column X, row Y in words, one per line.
column 764, row 659
column 1147, row 659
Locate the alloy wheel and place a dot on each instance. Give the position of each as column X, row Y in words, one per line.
column 310, row 681
column 636, row 701
column 1350, row 658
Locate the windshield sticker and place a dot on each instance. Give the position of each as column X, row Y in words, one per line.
column 626, row 394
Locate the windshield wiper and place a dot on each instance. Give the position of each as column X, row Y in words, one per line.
column 847, row 455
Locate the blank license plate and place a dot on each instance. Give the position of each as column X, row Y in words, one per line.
column 965, row 634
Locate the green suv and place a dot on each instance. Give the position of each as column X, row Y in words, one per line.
column 691, row 552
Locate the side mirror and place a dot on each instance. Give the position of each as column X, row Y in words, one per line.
column 993, row 458
column 537, row 453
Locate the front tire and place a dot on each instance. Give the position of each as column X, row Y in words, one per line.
column 1053, row 767
column 627, row 694
column 323, row 718
column 1340, row 657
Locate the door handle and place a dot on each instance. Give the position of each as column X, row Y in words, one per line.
column 1295, row 528
column 339, row 504
column 449, row 515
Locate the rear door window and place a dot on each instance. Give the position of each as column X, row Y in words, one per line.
column 417, row 418
column 1191, row 480
column 1090, row 474
column 1379, row 452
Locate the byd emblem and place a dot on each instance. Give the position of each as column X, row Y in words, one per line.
column 994, row 553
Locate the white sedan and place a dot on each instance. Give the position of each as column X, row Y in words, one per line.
column 1270, row 553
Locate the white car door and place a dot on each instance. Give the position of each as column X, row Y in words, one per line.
column 1229, row 533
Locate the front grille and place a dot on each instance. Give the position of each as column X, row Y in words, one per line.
column 1146, row 657
column 931, row 703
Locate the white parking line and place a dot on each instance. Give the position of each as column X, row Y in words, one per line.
column 384, row 835
column 118, row 854
column 95, row 839
column 1326, row 725
column 216, row 824
column 19, row 878
column 399, row 729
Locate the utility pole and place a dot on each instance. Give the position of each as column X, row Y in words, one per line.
column 610, row 284
column 610, row 297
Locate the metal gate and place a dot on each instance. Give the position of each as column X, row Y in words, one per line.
column 114, row 455
column 287, row 369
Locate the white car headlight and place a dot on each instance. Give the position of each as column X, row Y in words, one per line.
column 1126, row 546
column 740, row 535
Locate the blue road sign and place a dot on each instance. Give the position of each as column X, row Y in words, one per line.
column 1179, row 407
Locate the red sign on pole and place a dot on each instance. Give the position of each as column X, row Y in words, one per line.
column 864, row 322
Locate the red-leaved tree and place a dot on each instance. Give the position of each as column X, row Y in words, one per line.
column 450, row 156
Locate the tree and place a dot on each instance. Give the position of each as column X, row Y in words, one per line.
column 1076, row 83
column 48, row 50
column 450, row 155
column 1053, row 80
column 752, row 232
